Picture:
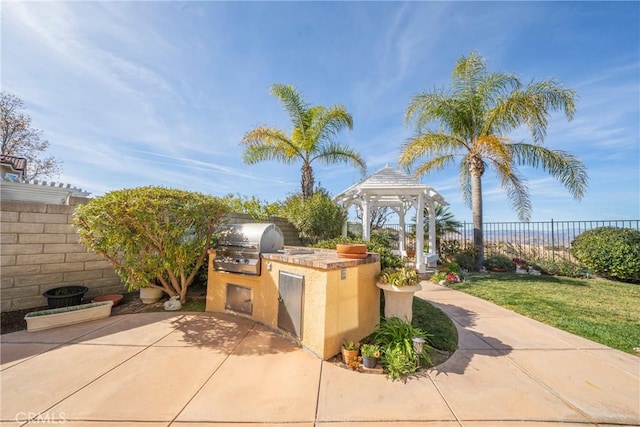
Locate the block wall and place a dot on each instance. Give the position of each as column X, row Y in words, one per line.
column 39, row 250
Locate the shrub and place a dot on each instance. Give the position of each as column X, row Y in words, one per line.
column 467, row 258
column 561, row 267
column 498, row 261
column 151, row 234
column 610, row 252
column 316, row 218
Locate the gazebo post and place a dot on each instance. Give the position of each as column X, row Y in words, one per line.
column 401, row 235
column 366, row 232
column 432, row 227
column 420, row 234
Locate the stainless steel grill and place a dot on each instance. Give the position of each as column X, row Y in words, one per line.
column 240, row 246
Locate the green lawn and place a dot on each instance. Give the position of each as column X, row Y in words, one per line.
column 600, row 310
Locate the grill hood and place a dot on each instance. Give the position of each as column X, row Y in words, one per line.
column 240, row 246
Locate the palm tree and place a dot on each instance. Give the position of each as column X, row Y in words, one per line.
column 475, row 115
column 445, row 223
column 312, row 137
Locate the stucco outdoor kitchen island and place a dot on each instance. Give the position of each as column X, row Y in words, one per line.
column 311, row 295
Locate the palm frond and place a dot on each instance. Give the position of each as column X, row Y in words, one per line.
column 465, row 182
column 562, row 165
column 292, row 101
column 518, row 192
column 330, row 121
column 434, row 164
column 331, row 152
column 429, row 144
column 265, row 143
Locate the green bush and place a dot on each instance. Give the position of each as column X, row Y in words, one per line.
column 610, row 252
column 561, row 267
column 316, row 218
column 152, row 236
column 498, row 261
column 467, row 258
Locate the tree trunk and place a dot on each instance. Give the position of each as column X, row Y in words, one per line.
column 477, row 169
column 307, row 181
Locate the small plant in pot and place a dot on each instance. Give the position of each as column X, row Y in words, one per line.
column 399, row 277
column 370, row 355
column 350, row 352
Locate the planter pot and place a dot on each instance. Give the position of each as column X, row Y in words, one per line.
column 351, row 249
column 150, row 295
column 369, row 362
column 349, row 356
column 65, row 296
column 64, row 316
column 116, row 298
column 398, row 301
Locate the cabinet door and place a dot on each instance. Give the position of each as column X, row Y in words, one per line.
column 290, row 300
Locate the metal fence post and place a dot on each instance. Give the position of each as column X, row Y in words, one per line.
column 553, row 243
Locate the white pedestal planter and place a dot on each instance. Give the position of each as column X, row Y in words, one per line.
column 398, row 302
column 56, row 317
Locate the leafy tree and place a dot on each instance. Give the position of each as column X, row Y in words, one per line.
column 260, row 210
column 152, row 236
column 19, row 139
column 316, row 218
column 312, row 137
column 475, row 115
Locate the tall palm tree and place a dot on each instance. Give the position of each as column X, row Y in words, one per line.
column 475, row 115
column 312, row 137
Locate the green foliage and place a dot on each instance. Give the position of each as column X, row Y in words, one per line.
column 440, row 329
column 438, row 277
column 395, row 338
column 610, row 252
column 316, row 218
column 379, row 245
column 260, row 210
column 560, row 267
column 467, row 258
column 449, row 247
column 151, row 234
column 399, row 277
column 370, row 350
column 350, row 345
column 498, row 261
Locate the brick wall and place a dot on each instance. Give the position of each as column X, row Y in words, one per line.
column 39, row 250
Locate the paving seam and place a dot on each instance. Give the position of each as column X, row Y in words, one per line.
column 315, row 415
column 103, row 374
column 552, row 391
column 209, row 379
column 459, row 421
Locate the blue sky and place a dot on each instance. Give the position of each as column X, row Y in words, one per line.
column 161, row 93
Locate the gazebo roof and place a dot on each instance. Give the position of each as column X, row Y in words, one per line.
column 388, row 187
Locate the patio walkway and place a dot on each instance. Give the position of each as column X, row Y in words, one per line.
column 202, row 369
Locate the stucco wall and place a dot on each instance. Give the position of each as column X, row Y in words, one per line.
column 39, row 250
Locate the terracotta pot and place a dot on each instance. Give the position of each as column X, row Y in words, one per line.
column 349, row 356
column 351, row 249
column 116, row 298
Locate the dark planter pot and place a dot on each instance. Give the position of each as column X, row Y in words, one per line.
column 369, row 362
column 65, row 296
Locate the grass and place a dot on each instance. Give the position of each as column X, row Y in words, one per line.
column 601, row 310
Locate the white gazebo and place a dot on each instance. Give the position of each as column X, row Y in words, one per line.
column 389, row 187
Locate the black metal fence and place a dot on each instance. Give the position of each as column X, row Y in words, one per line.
column 528, row 240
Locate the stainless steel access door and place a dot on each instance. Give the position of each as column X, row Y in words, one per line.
column 290, row 300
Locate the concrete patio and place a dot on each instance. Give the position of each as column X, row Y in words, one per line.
column 202, row 369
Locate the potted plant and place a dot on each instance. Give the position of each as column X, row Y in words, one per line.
column 65, row 296
column 349, row 352
column 370, row 354
column 399, row 285
column 64, row 316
